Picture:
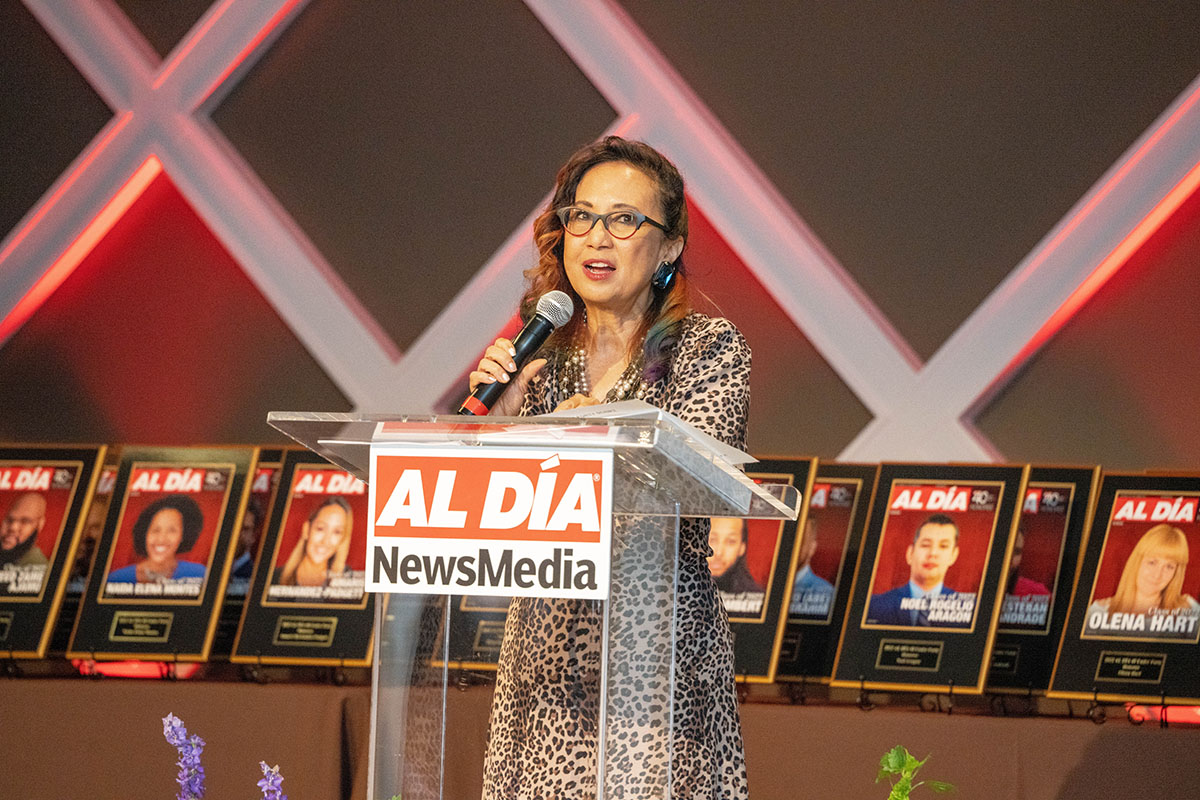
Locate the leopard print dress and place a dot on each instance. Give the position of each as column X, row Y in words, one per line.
column 543, row 728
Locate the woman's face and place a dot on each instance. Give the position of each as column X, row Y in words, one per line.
column 164, row 535
column 610, row 273
column 325, row 533
column 1155, row 572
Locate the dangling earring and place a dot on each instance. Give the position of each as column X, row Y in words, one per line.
column 664, row 276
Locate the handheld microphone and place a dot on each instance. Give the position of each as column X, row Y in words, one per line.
column 554, row 309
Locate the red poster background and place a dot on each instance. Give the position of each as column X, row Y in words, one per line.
column 974, row 541
column 833, row 526
column 1043, row 546
column 762, row 536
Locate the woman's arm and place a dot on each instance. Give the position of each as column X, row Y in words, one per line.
column 709, row 386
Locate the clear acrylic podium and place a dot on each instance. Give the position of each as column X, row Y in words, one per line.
column 661, row 473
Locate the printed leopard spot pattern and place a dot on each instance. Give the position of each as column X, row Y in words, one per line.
column 545, row 715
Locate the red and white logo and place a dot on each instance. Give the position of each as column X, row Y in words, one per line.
column 820, row 495
column 930, row 498
column 1033, row 500
column 479, row 520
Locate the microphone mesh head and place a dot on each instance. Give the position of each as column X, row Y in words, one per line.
column 556, row 307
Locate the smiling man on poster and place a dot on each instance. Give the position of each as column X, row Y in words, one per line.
column 19, row 529
column 925, row 599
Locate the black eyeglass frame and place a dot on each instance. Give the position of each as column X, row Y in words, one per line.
column 641, row 219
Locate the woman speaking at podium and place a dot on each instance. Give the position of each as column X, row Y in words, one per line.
column 612, row 239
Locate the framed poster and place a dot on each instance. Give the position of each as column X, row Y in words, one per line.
column 307, row 602
column 833, row 529
column 85, row 554
column 93, row 528
column 752, row 563
column 159, row 574
column 476, row 631
column 1040, row 578
column 247, row 547
column 44, row 492
column 927, row 588
column 1134, row 624
column 254, row 522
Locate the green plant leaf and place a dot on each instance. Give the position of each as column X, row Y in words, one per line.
column 902, row 766
column 911, row 765
column 893, row 761
column 901, row 789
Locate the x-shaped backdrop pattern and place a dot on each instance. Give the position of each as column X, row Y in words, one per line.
column 901, row 406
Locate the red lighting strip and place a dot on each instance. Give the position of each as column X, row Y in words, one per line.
column 83, row 244
column 117, row 126
column 266, row 31
column 626, row 125
column 1175, row 715
column 194, row 38
column 1118, row 176
column 1114, row 261
column 154, row 670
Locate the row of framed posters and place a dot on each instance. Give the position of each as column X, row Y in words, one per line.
column 958, row 578
column 951, row 578
column 162, row 551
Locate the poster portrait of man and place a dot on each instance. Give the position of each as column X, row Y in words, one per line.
column 729, row 539
column 834, row 523
column 812, row 594
column 742, row 562
column 254, row 521
column 752, row 565
column 44, row 492
column 93, row 528
column 1036, row 558
column 932, row 557
column 933, row 551
column 926, row 599
column 1044, row 554
column 822, row 556
column 34, row 500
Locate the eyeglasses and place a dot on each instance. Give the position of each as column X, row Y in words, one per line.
column 621, row 224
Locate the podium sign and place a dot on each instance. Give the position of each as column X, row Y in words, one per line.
column 492, row 521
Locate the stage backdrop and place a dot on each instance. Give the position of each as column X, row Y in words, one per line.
column 949, row 231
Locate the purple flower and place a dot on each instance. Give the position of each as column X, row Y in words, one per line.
column 271, row 782
column 173, row 730
column 191, row 774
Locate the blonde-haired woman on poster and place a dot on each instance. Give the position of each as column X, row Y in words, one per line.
column 1151, row 585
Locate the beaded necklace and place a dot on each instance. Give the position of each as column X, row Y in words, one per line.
column 629, row 385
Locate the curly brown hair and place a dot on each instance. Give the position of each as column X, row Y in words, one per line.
column 661, row 325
